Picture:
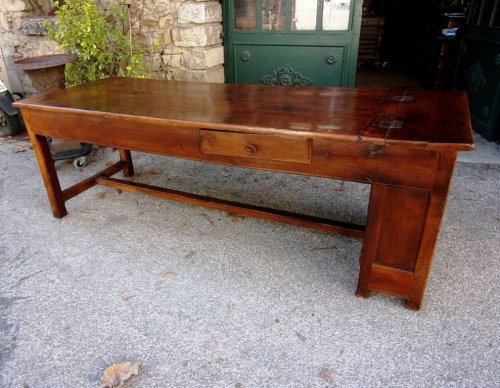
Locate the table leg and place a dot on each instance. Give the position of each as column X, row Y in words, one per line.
column 125, row 156
column 402, row 230
column 49, row 174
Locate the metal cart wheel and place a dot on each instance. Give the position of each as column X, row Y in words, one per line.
column 80, row 162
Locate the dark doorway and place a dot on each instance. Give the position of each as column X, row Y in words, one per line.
column 478, row 70
column 413, row 48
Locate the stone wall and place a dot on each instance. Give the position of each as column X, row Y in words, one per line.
column 184, row 37
column 181, row 39
column 15, row 44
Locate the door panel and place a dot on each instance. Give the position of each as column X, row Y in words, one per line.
column 292, row 42
column 285, row 65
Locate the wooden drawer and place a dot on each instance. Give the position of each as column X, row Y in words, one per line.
column 244, row 145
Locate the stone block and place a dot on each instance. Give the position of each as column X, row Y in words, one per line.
column 200, row 58
column 4, row 76
column 200, row 12
column 150, row 22
column 166, row 21
column 167, row 37
column 17, row 5
column 172, row 60
column 153, row 62
column 198, row 35
column 5, row 23
column 156, row 43
column 215, row 74
column 171, row 50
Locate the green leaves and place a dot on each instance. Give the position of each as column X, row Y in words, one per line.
column 101, row 42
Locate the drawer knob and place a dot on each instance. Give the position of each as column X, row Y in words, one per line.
column 251, row 149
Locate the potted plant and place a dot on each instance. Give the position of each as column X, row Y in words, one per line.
column 101, row 42
column 99, row 45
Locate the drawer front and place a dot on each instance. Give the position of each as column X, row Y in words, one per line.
column 244, row 145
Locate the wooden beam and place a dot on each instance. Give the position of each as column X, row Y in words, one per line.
column 86, row 184
column 307, row 221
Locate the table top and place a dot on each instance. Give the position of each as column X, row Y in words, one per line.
column 437, row 120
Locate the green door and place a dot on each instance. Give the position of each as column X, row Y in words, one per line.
column 292, row 42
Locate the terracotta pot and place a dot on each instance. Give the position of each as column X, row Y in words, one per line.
column 47, row 71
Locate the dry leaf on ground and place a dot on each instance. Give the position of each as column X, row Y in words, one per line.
column 328, row 373
column 236, row 217
column 116, row 374
column 301, row 337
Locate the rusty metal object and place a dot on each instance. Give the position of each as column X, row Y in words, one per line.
column 47, row 71
column 404, row 98
column 391, row 124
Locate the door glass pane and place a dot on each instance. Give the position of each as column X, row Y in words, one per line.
column 489, row 9
column 273, row 14
column 244, row 15
column 336, row 15
column 304, row 14
column 496, row 17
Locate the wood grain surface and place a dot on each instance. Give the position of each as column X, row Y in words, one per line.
column 403, row 143
column 432, row 119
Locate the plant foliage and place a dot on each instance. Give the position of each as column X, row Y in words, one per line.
column 102, row 43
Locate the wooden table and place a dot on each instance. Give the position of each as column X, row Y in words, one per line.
column 403, row 143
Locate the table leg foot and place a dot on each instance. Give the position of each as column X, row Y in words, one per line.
column 363, row 292
column 59, row 213
column 413, row 304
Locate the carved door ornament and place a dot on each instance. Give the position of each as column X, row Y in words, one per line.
column 286, row 76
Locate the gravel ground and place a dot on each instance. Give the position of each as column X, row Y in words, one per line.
column 204, row 298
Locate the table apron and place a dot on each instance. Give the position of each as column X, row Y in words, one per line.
column 353, row 161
